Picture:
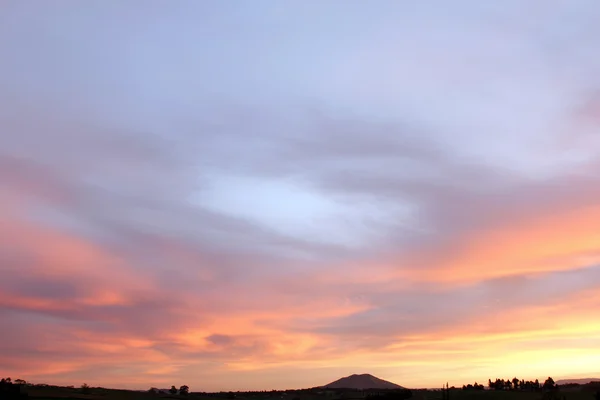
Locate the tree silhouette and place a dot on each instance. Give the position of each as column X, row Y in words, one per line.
column 10, row 390
column 184, row 390
column 173, row 390
column 515, row 383
column 549, row 383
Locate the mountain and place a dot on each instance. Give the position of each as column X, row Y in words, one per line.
column 581, row 381
column 363, row 381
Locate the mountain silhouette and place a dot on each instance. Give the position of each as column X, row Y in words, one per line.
column 581, row 381
column 360, row 382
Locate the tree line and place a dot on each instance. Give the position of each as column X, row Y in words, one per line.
column 10, row 381
column 183, row 390
column 514, row 384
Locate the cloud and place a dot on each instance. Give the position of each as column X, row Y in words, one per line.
column 142, row 264
column 145, row 265
column 167, row 218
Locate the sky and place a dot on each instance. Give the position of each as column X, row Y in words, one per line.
column 262, row 194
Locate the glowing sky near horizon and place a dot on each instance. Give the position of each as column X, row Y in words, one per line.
column 274, row 194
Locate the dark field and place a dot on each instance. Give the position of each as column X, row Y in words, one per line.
column 566, row 394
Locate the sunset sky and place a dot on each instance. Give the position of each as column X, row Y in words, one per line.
column 257, row 194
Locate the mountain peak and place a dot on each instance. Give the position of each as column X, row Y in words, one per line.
column 360, row 382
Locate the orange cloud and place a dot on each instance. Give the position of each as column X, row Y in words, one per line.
column 566, row 240
column 120, row 313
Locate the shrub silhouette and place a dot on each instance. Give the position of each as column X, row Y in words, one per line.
column 476, row 386
column 85, row 389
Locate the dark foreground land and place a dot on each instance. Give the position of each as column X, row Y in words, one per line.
column 48, row 392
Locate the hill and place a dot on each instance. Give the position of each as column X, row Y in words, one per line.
column 581, row 381
column 360, row 382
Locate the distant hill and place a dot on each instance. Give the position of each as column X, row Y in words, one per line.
column 360, row 382
column 581, row 381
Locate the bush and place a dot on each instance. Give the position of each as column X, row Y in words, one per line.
column 85, row 389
